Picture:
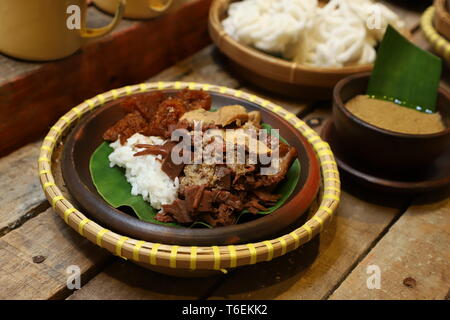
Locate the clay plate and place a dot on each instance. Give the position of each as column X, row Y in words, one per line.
column 87, row 136
column 434, row 176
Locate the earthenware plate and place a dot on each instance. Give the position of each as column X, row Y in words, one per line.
column 87, row 136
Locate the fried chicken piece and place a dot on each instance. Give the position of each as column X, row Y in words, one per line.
column 195, row 99
column 127, row 126
column 166, row 118
column 146, row 104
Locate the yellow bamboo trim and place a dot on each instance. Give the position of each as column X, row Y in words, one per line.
column 119, row 246
column 320, row 221
column 329, row 188
column 66, row 119
column 41, row 172
column 222, row 89
column 99, row 237
column 205, row 87
column 296, row 239
column 276, row 109
column 216, row 253
column 101, row 98
column 177, row 85
column 191, row 85
column 321, row 145
column 308, row 230
column 252, row 251
column 331, row 196
column 193, row 261
column 283, row 245
column 143, row 87
column 56, row 199
column 325, row 152
column 326, row 209
column 43, row 159
column 46, row 148
column 57, row 129
column 252, row 98
column 161, row 85
column 115, row 93
column 67, row 213
column 173, row 256
column 238, row 93
column 136, row 249
column 330, row 171
column 81, row 225
column 264, row 103
column 48, row 184
column 77, row 111
column 289, row 116
column 269, row 250
column 331, row 179
column 233, row 257
column 51, row 139
column 91, row 104
column 128, row 90
column 153, row 252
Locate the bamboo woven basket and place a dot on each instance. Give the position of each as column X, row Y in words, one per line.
column 186, row 260
column 273, row 73
column 442, row 18
column 439, row 44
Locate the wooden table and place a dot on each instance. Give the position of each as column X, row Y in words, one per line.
column 407, row 238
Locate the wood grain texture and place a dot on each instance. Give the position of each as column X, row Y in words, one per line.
column 21, row 192
column 417, row 247
column 127, row 281
column 313, row 271
column 49, row 236
column 35, row 95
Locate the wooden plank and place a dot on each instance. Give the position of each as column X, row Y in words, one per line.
column 127, row 281
column 320, row 265
column 21, row 195
column 45, row 235
column 37, row 94
column 413, row 257
column 206, row 66
column 317, row 267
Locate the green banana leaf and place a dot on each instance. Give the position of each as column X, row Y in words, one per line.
column 114, row 188
column 405, row 74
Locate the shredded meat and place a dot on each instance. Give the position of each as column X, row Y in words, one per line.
column 132, row 123
column 195, row 99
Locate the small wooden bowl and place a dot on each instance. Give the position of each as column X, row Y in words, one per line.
column 442, row 17
column 87, row 136
column 381, row 148
column 272, row 73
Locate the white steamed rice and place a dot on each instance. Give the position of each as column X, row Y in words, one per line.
column 144, row 173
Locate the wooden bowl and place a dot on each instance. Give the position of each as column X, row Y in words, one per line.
column 439, row 44
column 381, row 148
column 442, row 17
column 177, row 260
column 87, row 136
column 272, row 73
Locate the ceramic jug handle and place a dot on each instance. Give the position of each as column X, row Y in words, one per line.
column 98, row 32
column 159, row 5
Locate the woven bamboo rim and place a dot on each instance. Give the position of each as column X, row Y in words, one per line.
column 438, row 42
column 188, row 257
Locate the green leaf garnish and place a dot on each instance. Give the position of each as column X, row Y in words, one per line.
column 405, row 74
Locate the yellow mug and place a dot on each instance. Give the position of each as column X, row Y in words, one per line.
column 41, row 30
column 137, row 9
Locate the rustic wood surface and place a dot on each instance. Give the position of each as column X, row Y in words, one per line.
column 407, row 237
